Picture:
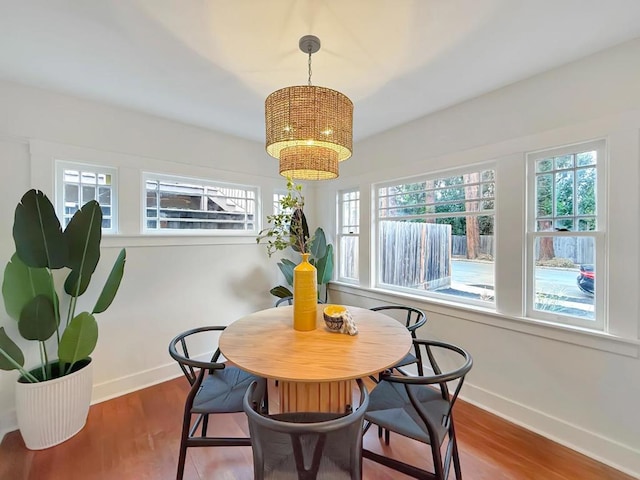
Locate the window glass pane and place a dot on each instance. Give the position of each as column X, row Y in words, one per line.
column 564, row 193
column 586, row 158
column 71, row 176
column 189, row 205
column 88, row 178
column 85, row 183
column 432, row 239
column 570, row 192
column 348, row 257
column 565, row 276
column 545, row 165
column 104, row 196
column 565, row 161
column 544, row 195
column 348, row 233
column 88, row 193
column 586, row 184
column 71, row 195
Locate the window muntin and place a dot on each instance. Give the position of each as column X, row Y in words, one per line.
column 566, row 236
column 348, row 234
column 436, row 235
column 183, row 204
column 79, row 183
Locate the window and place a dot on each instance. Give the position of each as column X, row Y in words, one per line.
column 76, row 184
column 348, row 234
column 277, row 206
column 565, row 234
column 184, row 204
column 435, row 235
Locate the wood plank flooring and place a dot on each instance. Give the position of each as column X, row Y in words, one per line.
column 136, row 437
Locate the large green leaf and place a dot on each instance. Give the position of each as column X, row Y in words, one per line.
column 83, row 236
column 38, row 319
column 37, row 233
column 9, row 348
column 281, row 292
column 111, row 285
column 22, row 283
column 299, row 228
column 286, row 267
column 79, row 338
column 325, row 266
column 318, row 247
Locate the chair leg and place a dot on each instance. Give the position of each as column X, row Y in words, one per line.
column 380, row 431
column 437, row 462
column 183, row 445
column 456, row 457
column 387, row 435
column 205, row 424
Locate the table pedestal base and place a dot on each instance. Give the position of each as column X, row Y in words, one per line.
column 315, row 396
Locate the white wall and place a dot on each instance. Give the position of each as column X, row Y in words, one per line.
column 170, row 283
column 578, row 388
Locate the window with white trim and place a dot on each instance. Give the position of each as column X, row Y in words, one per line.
column 78, row 183
column 435, row 235
column 182, row 204
column 566, row 235
column 278, row 195
column 348, row 234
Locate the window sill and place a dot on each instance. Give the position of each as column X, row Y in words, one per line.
column 562, row 333
column 168, row 239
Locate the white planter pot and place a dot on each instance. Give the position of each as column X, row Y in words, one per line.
column 53, row 411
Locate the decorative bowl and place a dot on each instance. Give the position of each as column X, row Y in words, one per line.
column 333, row 317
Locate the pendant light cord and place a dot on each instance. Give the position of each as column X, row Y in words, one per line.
column 309, row 66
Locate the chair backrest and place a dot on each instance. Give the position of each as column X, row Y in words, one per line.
column 284, row 301
column 413, row 318
column 443, row 378
column 179, row 351
column 324, row 445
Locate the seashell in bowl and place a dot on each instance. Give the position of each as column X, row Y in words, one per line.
column 333, row 317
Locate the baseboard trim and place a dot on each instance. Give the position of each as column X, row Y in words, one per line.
column 605, row 450
column 8, row 423
column 136, row 381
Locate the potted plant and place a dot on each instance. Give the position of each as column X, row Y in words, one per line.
column 52, row 399
column 289, row 228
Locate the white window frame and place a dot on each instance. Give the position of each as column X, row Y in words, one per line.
column 62, row 165
column 599, row 235
column 340, row 232
column 161, row 177
column 376, row 254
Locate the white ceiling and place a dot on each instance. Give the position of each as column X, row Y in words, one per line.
column 212, row 62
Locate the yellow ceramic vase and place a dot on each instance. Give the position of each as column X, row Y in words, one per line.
column 305, row 295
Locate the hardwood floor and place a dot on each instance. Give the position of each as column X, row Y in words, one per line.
column 136, row 437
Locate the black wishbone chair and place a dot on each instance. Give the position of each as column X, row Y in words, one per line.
column 215, row 388
column 306, row 445
column 421, row 408
column 413, row 319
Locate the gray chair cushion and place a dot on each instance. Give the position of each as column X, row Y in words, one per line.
column 390, row 408
column 223, row 391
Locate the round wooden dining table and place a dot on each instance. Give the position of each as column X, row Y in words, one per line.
column 316, row 368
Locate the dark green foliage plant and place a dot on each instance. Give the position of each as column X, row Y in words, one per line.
column 30, row 291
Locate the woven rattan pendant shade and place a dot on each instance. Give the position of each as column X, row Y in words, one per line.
column 309, row 163
column 309, row 129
